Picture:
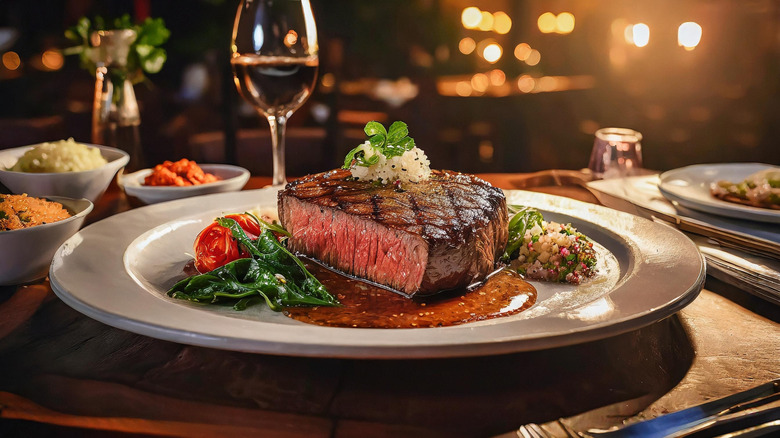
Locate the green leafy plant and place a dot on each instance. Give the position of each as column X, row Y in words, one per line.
column 145, row 56
column 390, row 143
column 272, row 274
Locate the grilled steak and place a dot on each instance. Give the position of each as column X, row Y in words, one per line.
column 440, row 234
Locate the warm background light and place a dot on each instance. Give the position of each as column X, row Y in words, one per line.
column 470, row 17
column 11, row 60
column 547, row 22
column 526, row 84
column 492, row 53
column 564, row 23
column 689, row 35
column 463, row 89
column 502, row 24
column 640, row 34
column 467, row 45
column 480, row 82
column 291, row 38
column 497, row 77
column 486, row 23
column 533, row 58
column 522, row 51
column 52, row 59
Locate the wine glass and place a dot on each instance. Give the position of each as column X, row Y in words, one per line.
column 275, row 61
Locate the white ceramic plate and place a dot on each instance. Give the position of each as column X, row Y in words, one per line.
column 119, row 269
column 232, row 178
column 690, row 187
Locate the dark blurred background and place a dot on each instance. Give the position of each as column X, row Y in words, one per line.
column 485, row 86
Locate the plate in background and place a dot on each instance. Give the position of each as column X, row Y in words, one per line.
column 690, row 187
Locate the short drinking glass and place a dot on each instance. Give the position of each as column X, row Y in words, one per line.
column 617, row 152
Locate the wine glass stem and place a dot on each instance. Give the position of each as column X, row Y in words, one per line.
column 278, row 126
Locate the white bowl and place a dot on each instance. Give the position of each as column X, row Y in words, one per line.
column 89, row 184
column 232, row 178
column 27, row 253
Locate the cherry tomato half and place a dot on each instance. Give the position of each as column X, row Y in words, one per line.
column 215, row 245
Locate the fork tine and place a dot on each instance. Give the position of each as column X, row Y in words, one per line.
column 525, row 432
column 531, row 430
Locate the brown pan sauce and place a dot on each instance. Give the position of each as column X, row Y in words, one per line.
column 368, row 306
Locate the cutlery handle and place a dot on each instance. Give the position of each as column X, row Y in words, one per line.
column 669, row 424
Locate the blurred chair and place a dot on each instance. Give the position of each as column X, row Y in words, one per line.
column 305, row 150
column 23, row 132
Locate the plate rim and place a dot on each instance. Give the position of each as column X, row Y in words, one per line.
column 715, row 206
column 305, row 336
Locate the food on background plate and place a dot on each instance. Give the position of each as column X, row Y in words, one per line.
column 22, row 211
column 761, row 189
column 59, row 156
column 179, row 173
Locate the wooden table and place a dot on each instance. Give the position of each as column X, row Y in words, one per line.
column 64, row 374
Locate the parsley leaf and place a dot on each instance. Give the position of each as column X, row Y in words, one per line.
column 390, row 143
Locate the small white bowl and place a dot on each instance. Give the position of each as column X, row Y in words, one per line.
column 232, row 178
column 27, row 253
column 89, row 184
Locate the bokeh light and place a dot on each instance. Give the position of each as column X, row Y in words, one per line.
column 526, row 84
column 564, row 22
column 470, row 17
column 467, row 45
column 502, row 24
column 486, row 22
column 480, row 82
column 291, row 38
column 11, row 60
column 328, row 80
column 533, row 58
column 52, row 59
column 486, row 151
column 689, row 35
column 497, row 77
column 492, row 53
column 547, row 83
column 463, row 89
column 640, row 34
column 547, row 22
column 522, row 51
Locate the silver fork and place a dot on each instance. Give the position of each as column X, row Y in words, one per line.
column 532, row 430
column 755, row 412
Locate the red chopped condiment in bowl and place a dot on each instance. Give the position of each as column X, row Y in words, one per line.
column 180, row 173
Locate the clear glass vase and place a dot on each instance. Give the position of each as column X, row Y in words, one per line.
column 116, row 119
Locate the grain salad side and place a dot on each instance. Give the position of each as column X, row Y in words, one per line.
column 552, row 251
